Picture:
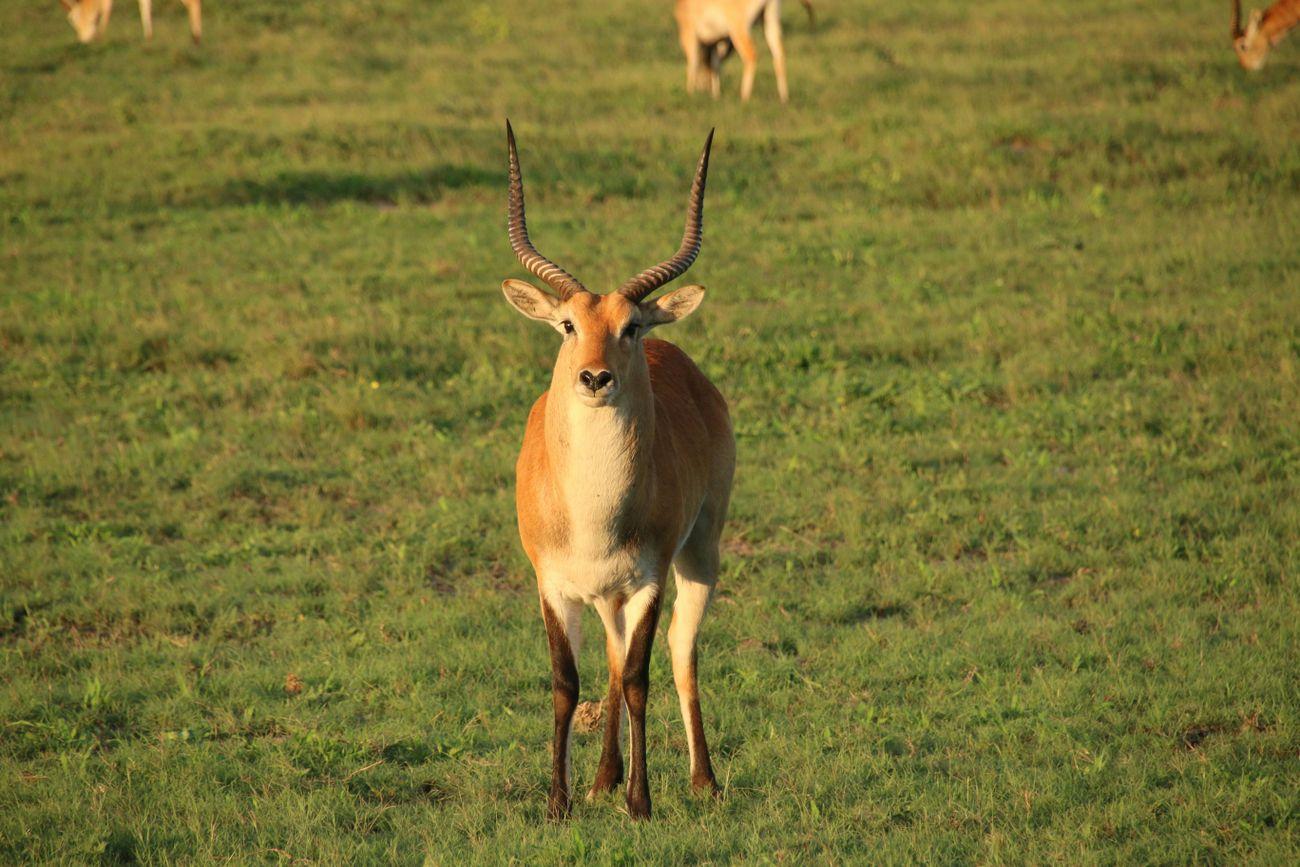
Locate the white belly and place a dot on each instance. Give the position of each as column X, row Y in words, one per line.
column 712, row 23
column 588, row 577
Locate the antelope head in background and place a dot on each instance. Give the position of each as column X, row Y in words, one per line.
column 1263, row 30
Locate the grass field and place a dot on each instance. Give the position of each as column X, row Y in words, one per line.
column 1006, row 306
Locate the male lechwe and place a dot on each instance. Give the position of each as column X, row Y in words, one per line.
column 625, row 473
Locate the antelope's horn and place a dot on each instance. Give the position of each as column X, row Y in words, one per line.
column 564, row 283
column 651, row 279
column 1236, row 19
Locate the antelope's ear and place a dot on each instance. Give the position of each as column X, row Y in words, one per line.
column 1252, row 26
column 677, row 304
column 531, row 301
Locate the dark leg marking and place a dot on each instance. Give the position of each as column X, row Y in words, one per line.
column 609, row 773
column 636, row 686
column 564, row 696
column 702, row 778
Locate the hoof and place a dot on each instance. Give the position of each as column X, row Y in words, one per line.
column 607, row 780
column 600, row 789
column 557, row 808
column 639, row 810
column 705, row 784
column 638, row 801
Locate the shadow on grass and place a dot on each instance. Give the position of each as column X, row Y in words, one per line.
column 56, row 59
column 865, row 613
column 320, row 188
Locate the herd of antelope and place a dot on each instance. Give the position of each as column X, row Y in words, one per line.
column 627, row 460
column 709, row 30
column 626, row 466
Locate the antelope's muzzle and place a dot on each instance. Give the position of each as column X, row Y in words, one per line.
column 596, row 383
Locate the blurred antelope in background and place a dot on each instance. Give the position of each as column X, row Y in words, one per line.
column 90, row 17
column 709, row 29
column 1263, row 31
column 625, row 471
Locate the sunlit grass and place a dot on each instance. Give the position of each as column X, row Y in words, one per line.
column 1005, row 305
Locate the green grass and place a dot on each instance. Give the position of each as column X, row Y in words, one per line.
column 1005, row 303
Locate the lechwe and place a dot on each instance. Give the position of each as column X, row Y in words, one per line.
column 625, row 471
column 708, row 29
column 1263, row 31
column 90, row 17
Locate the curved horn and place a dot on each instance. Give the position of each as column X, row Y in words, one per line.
column 564, row 283
column 1236, row 19
column 651, row 279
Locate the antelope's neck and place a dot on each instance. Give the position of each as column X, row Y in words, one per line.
column 1279, row 19
column 600, row 457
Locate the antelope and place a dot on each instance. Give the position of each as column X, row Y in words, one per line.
column 625, row 470
column 1263, row 31
column 90, row 17
column 709, row 29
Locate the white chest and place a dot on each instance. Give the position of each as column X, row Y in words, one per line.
column 599, row 558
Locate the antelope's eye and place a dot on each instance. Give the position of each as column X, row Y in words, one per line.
column 567, row 326
column 630, row 331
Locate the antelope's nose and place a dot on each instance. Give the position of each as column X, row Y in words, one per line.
column 596, row 381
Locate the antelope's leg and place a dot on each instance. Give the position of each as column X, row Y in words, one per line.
column 105, row 10
column 196, row 19
column 691, row 48
column 716, row 54
column 696, row 568
column 563, row 619
column 688, row 611
column 748, row 56
column 642, row 617
column 772, row 31
column 146, row 18
column 609, row 773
